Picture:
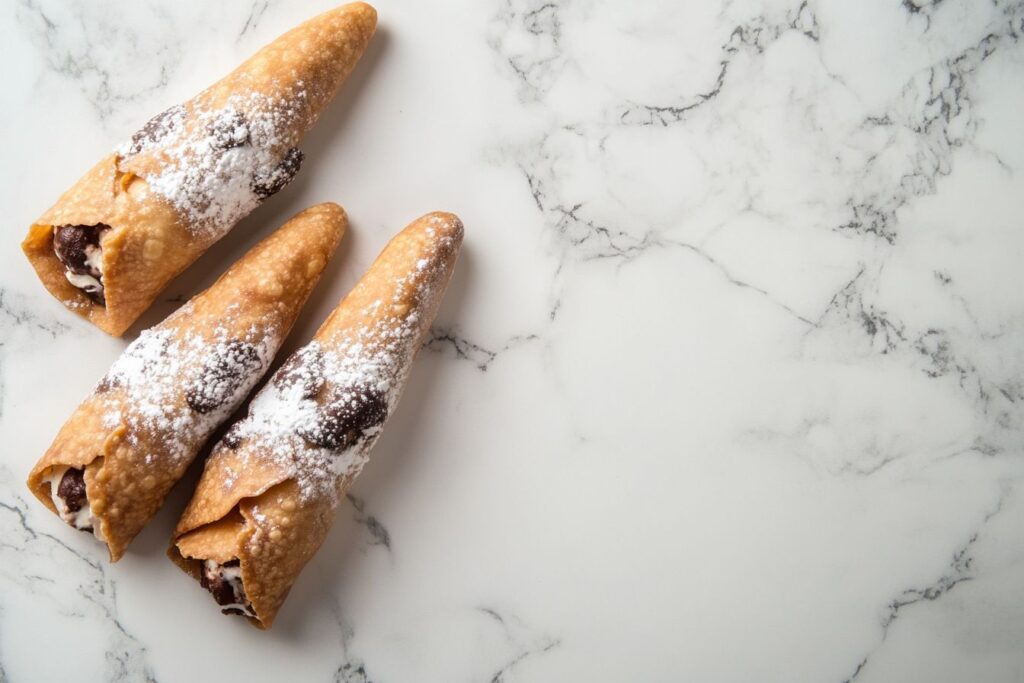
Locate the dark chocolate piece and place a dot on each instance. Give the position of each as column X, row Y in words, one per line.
column 213, row 581
column 221, row 375
column 305, row 369
column 71, row 244
column 71, row 489
column 106, row 384
column 232, row 439
column 157, row 128
column 267, row 184
column 342, row 421
column 230, row 130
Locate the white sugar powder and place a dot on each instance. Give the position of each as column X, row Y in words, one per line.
column 284, row 410
column 287, row 417
column 150, row 387
column 210, row 160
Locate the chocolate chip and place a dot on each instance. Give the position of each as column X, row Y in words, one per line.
column 213, row 581
column 342, row 421
column 106, row 384
column 71, row 243
column 72, row 489
column 304, row 369
column 221, row 375
column 157, row 128
column 231, row 129
column 232, row 439
column 267, row 184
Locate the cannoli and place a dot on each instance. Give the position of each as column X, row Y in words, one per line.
column 115, row 459
column 149, row 209
column 267, row 495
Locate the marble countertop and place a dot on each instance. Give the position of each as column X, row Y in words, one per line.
column 729, row 384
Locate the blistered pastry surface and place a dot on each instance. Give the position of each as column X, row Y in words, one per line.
column 277, row 470
column 180, row 184
column 145, row 248
column 148, row 417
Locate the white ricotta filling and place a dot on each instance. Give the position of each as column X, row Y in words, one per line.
column 94, row 258
column 233, row 577
column 84, row 281
column 83, row 519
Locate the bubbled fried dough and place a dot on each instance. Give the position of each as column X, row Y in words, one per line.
column 148, row 417
column 308, row 432
column 189, row 174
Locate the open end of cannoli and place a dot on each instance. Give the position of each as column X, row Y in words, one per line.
column 70, row 496
column 259, row 546
column 79, row 249
column 211, row 554
column 108, row 247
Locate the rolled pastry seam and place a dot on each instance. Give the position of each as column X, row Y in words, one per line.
column 267, row 496
column 118, row 455
column 112, row 242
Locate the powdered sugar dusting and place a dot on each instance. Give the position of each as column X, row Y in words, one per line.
column 216, row 165
column 324, row 436
column 321, row 413
column 154, row 386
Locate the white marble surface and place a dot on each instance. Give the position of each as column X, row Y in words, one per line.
column 729, row 384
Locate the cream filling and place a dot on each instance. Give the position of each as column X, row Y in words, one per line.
column 94, row 258
column 84, row 281
column 233, row 577
column 83, row 519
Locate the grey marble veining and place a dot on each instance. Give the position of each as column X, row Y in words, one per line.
column 728, row 384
